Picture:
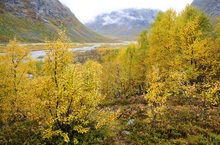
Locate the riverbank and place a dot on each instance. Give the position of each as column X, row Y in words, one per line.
column 42, row 46
column 40, row 54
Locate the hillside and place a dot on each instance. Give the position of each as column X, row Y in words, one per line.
column 211, row 7
column 124, row 24
column 162, row 90
column 37, row 20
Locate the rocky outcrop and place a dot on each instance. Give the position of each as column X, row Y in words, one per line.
column 38, row 9
column 211, row 7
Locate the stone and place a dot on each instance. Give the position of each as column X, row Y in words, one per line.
column 125, row 132
column 131, row 122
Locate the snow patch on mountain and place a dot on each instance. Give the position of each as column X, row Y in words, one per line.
column 123, row 23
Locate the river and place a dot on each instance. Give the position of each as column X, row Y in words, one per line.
column 40, row 54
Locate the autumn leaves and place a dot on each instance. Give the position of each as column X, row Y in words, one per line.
column 178, row 58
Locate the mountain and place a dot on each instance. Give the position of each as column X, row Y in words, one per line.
column 37, row 20
column 124, row 24
column 211, row 7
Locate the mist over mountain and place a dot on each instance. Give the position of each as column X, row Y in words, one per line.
column 211, row 7
column 37, row 20
column 124, row 24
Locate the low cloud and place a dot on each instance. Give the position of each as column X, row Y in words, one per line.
column 109, row 21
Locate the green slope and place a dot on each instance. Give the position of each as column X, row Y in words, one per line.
column 27, row 24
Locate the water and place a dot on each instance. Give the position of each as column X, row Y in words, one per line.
column 40, row 54
column 86, row 48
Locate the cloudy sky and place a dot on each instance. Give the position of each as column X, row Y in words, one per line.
column 86, row 10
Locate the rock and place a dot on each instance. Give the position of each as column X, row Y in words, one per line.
column 131, row 122
column 45, row 8
column 45, row 21
column 211, row 7
column 125, row 132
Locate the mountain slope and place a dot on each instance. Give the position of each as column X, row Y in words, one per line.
column 37, row 20
column 211, row 7
column 124, row 24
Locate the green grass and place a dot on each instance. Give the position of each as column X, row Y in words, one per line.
column 25, row 30
column 31, row 30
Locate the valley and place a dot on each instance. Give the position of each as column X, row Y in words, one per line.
column 40, row 54
column 150, row 77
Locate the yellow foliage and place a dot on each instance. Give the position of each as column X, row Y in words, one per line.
column 16, row 70
column 157, row 93
column 69, row 94
column 182, row 59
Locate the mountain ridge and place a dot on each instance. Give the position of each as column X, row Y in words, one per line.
column 125, row 24
column 211, row 7
column 37, row 20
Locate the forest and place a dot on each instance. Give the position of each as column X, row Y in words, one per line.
column 163, row 90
